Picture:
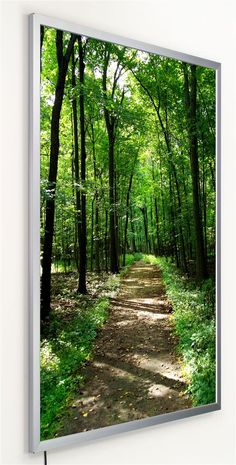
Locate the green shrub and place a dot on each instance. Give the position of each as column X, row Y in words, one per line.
column 131, row 258
column 66, row 348
column 194, row 318
column 150, row 259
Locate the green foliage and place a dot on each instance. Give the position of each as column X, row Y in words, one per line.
column 159, row 210
column 194, row 318
column 67, row 346
column 150, row 259
column 161, row 177
column 131, row 258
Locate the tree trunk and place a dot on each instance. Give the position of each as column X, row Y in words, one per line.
column 174, row 171
column 63, row 61
column 92, row 234
column 133, row 231
column 165, row 131
column 157, row 227
column 190, row 92
column 97, row 238
column 96, row 198
column 83, row 240
column 204, row 201
column 157, row 248
column 145, row 224
column 110, row 121
column 127, row 217
column 76, row 258
column 42, row 31
column 76, row 160
column 116, row 215
column 106, row 241
column 114, row 268
column 163, row 247
column 173, row 222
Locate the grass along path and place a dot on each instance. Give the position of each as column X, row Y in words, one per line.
column 195, row 325
column 134, row 372
column 67, row 339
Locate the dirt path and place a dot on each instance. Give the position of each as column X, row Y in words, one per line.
column 134, row 372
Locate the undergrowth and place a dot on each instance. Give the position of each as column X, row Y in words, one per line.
column 67, row 341
column 194, row 317
column 67, row 344
column 130, row 259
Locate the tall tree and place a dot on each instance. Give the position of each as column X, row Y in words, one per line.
column 42, row 32
column 62, row 62
column 146, row 209
column 96, row 199
column 83, row 240
column 76, row 154
column 111, row 120
column 156, row 103
column 127, row 210
column 190, row 93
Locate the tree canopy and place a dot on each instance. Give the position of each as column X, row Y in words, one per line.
column 127, row 158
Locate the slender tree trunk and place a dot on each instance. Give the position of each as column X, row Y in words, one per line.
column 163, row 247
column 191, row 111
column 63, row 61
column 92, row 236
column 157, row 248
column 74, row 201
column 165, row 131
column 106, row 241
column 176, row 181
column 144, row 212
column 157, row 227
column 96, row 198
column 204, row 201
column 42, row 31
column 112, row 215
column 76, row 160
column 83, row 239
column 148, row 229
column 133, row 231
column 116, row 215
column 127, row 217
column 111, row 121
column 97, row 238
column 63, row 243
column 173, row 222
column 182, row 244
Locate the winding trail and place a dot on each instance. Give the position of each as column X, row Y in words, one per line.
column 134, row 372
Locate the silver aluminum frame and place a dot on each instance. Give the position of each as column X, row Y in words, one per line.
column 35, row 445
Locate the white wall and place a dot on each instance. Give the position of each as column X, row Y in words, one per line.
column 205, row 28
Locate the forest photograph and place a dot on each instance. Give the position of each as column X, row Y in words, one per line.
column 127, row 234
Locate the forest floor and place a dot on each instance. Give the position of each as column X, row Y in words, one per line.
column 134, row 372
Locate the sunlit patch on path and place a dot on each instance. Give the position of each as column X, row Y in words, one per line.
column 134, row 373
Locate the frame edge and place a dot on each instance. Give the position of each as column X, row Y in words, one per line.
column 33, row 202
column 35, row 445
